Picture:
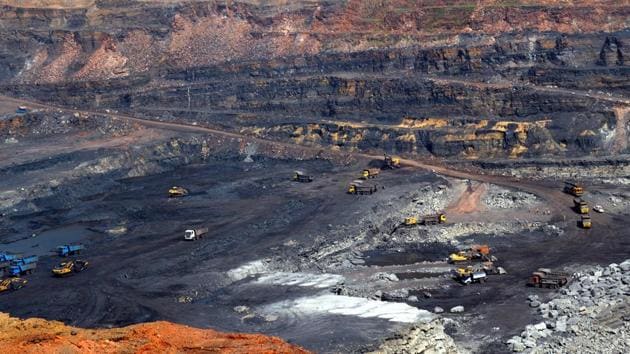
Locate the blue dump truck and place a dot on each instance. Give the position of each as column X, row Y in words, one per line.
column 68, row 250
column 7, row 257
column 22, row 266
column 5, row 261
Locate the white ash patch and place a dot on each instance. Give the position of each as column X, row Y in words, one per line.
column 350, row 306
column 248, row 269
column 319, row 281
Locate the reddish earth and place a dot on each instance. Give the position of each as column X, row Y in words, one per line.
column 41, row 336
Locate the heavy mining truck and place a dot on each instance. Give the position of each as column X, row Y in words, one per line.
column 177, row 192
column 7, row 257
column 301, row 177
column 18, row 269
column 370, row 173
column 468, row 275
column 69, row 267
column 391, row 162
column 12, row 284
column 68, row 250
column 585, row 222
column 358, row 187
column 425, row 220
column 573, row 189
column 195, row 234
column 545, row 278
column 580, row 206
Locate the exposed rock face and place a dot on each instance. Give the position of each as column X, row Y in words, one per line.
column 38, row 336
column 421, row 338
column 492, row 79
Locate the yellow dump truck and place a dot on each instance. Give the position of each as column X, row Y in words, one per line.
column 358, row 187
column 585, row 222
column 176, row 191
column 425, row 220
column 573, row 189
column 370, row 173
column 580, row 206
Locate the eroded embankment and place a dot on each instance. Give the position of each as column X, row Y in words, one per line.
column 41, row 336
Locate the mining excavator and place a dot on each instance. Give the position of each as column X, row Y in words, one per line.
column 69, row 267
column 12, row 284
column 391, row 162
column 476, row 252
column 177, row 192
column 573, row 188
column 425, row 220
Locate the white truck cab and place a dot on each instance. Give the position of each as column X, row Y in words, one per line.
column 194, row 234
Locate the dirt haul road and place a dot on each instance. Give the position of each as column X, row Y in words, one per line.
column 557, row 200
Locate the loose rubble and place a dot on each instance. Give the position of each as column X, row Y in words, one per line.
column 590, row 315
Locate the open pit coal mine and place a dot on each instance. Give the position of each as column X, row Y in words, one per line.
column 351, row 176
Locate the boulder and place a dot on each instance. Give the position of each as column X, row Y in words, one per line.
column 457, row 309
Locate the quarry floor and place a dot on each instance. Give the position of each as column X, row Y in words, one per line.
column 252, row 271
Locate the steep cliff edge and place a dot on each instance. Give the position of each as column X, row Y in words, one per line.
column 38, row 336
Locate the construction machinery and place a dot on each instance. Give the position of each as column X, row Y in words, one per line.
column 468, row 275
column 391, row 162
column 585, row 222
column 70, row 267
column 18, row 269
column 68, row 250
column 358, row 187
column 545, row 278
column 11, row 284
column 580, row 206
column 302, row 177
column 370, row 173
column 573, row 188
column 195, row 234
column 7, row 257
column 175, row 191
column 476, row 252
column 425, row 220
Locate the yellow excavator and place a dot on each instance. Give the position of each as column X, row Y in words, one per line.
column 12, row 284
column 481, row 252
column 176, row 191
column 391, row 162
column 69, row 267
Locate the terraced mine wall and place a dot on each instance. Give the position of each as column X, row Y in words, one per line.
column 285, row 73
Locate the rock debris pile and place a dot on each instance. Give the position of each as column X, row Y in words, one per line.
column 591, row 315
